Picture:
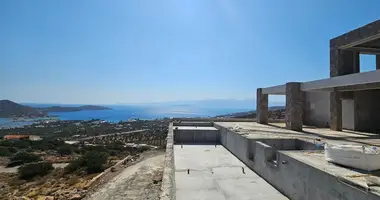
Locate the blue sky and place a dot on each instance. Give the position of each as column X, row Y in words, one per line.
column 107, row 52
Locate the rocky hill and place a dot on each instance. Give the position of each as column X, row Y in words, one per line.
column 12, row 109
column 72, row 109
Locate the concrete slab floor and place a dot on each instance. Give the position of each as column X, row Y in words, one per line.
column 277, row 130
column 214, row 173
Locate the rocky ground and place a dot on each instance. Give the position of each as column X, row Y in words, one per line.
column 60, row 186
column 139, row 181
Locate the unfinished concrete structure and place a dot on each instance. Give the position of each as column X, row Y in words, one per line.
column 232, row 160
column 347, row 100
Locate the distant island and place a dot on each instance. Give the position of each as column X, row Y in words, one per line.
column 10, row 109
column 72, row 109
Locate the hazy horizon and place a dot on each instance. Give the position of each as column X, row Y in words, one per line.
column 207, row 103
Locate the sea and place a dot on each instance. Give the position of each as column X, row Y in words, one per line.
column 127, row 112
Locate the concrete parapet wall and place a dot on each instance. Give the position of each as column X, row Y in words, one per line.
column 193, row 123
column 196, row 136
column 292, row 177
column 226, row 120
column 168, row 180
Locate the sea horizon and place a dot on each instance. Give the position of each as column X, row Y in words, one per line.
column 127, row 112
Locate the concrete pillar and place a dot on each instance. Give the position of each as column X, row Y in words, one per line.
column 335, row 111
column 356, row 63
column 294, row 106
column 261, row 107
column 342, row 62
column 377, row 62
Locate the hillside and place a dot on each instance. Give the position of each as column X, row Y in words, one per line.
column 12, row 109
column 276, row 112
column 72, row 109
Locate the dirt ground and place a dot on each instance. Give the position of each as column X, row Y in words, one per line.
column 141, row 181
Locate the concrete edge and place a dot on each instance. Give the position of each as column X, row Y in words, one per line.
column 108, row 170
column 168, row 177
column 225, row 120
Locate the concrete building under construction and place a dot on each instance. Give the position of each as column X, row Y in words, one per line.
column 240, row 159
column 348, row 99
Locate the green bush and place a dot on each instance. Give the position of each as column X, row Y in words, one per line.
column 12, row 149
column 74, row 165
column 94, row 161
column 33, row 169
column 4, row 151
column 113, row 153
column 65, row 150
column 20, row 144
column 25, row 157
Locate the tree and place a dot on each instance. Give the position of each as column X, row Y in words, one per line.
column 94, row 161
column 65, row 150
column 33, row 169
column 74, row 165
column 25, row 157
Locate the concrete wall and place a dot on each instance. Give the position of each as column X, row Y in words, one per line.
column 317, row 109
column 367, row 111
column 195, row 123
column 168, row 191
column 196, row 136
column 295, row 179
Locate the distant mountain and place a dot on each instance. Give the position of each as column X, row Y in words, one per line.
column 229, row 104
column 72, row 109
column 12, row 109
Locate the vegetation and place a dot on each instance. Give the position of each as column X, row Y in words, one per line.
column 7, row 151
column 92, row 161
column 74, row 165
column 35, row 169
column 25, row 157
column 65, row 150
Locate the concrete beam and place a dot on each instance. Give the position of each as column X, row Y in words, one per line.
column 279, row 90
column 358, row 36
column 342, row 81
column 294, row 106
column 365, row 50
column 371, row 86
column 262, row 106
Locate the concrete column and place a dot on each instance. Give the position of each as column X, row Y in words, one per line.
column 261, row 107
column 294, row 106
column 377, row 62
column 335, row 111
column 356, row 62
